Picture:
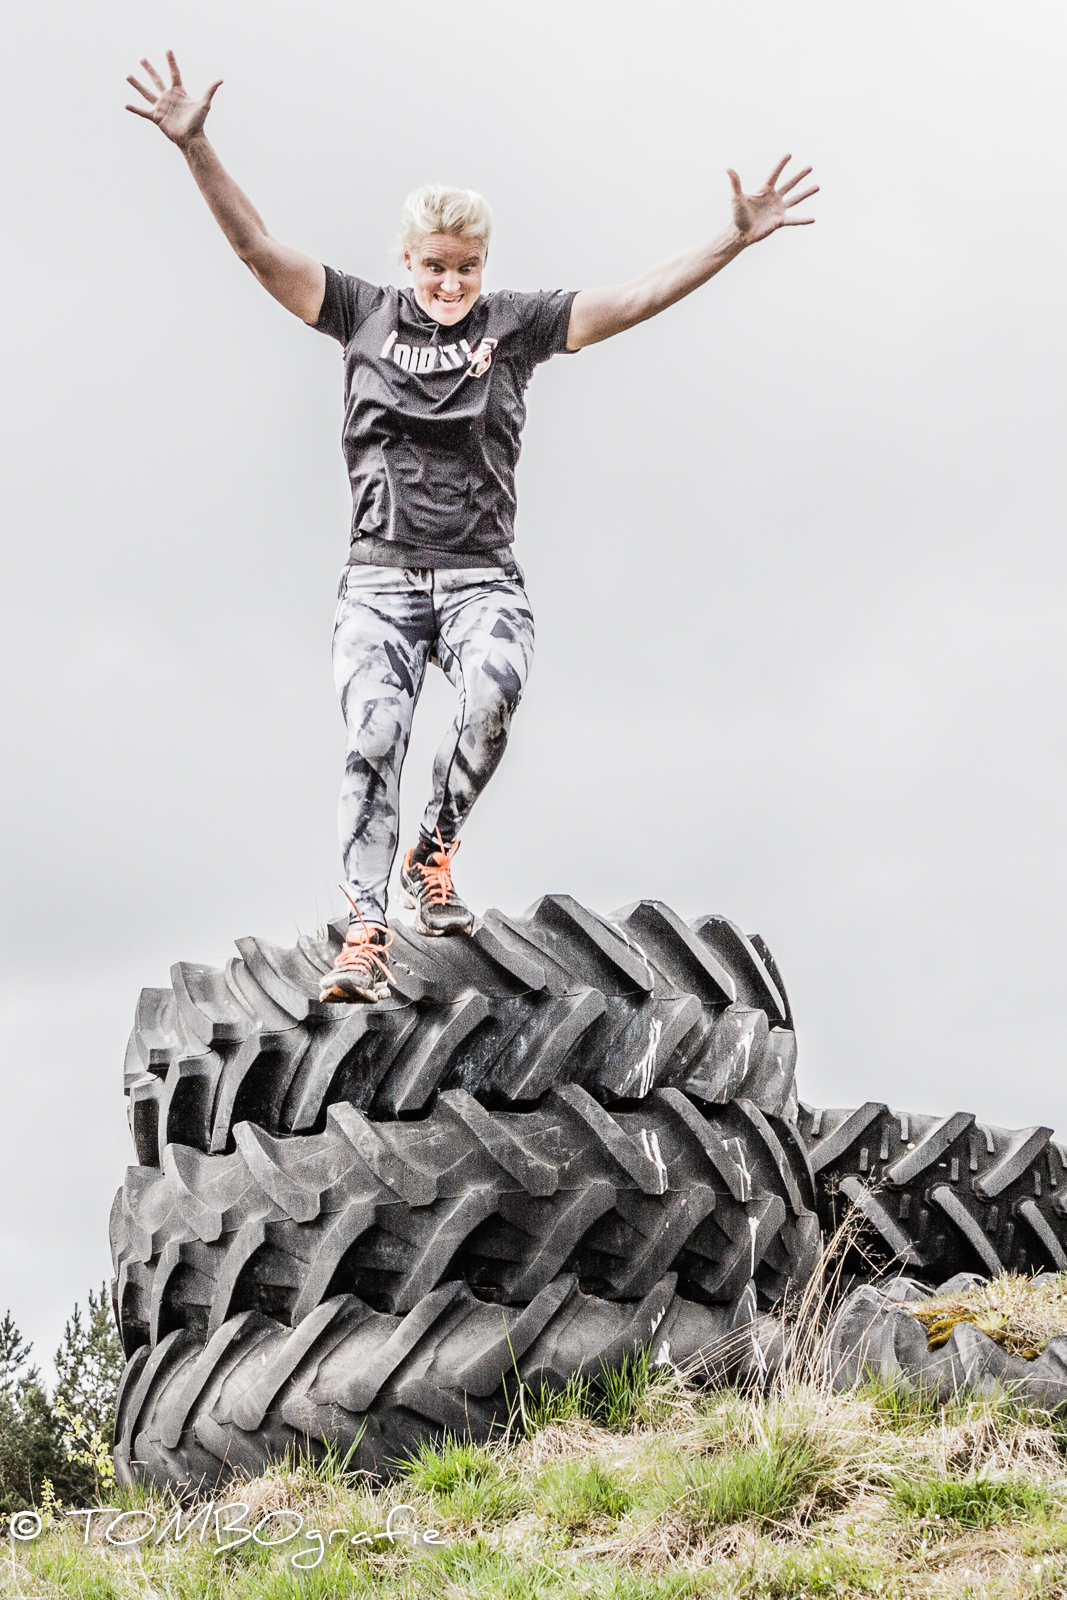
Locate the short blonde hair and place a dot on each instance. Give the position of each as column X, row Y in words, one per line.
column 435, row 208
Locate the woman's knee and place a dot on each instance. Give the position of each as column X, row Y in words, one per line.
column 492, row 687
column 486, row 721
column 377, row 729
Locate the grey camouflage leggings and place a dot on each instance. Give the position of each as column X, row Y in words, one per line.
column 476, row 625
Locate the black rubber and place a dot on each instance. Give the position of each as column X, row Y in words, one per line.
column 941, row 1195
column 873, row 1336
column 621, row 1006
column 559, row 1137
column 503, row 1200
column 190, row 1414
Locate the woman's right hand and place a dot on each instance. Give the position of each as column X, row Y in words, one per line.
column 173, row 111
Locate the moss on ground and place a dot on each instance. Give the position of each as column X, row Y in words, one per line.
column 1018, row 1313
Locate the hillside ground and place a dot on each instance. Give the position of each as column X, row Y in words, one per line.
column 648, row 1489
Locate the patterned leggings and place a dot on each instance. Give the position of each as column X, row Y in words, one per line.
column 476, row 625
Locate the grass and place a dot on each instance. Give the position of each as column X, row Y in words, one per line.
column 974, row 1502
column 616, row 1398
column 468, row 1485
column 653, row 1491
column 760, row 1484
column 579, row 1496
column 635, row 1486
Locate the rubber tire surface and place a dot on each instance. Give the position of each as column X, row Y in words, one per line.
column 873, row 1335
column 505, row 1201
column 502, row 1170
column 191, row 1414
column 620, row 1005
column 941, row 1195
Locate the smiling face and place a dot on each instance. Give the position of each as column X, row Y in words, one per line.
column 446, row 273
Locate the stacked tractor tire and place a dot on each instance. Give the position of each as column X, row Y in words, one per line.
column 561, row 1142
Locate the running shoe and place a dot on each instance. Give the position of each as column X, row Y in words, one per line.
column 360, row 971
column 426, row 888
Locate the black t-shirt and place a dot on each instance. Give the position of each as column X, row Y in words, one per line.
column 434, row 417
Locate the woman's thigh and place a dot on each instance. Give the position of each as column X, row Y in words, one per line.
column 383, row 632
column 485, row 633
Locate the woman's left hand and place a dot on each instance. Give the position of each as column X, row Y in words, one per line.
column 757, row 215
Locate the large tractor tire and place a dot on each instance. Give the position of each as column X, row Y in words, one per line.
column 620, row 1006
column 373, row 1386
column 504, row 1201
column 557, row 1118
column 940, row 1195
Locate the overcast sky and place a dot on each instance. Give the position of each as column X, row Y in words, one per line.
column 795, row 547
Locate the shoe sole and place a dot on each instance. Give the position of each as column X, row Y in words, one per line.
column 353, row 997
column 409, row 903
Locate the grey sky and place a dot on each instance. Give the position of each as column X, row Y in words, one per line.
column 795, row 547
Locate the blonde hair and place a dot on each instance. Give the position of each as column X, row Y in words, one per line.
column 435, row 208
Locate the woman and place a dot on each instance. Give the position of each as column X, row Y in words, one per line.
column 434, row 408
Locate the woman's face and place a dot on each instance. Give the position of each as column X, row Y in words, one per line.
column 446, row 273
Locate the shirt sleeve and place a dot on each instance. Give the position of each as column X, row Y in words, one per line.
column 347, row 302
column 545, row 318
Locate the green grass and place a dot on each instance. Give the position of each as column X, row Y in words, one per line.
column 899, row 1405
column 468, row 1483
column 454, row 1465
column 616, row 1398
column 761, row 1484
column 578, row 1496
column 639, row 1489
column 543, row 1408
column 624, row 1393
column 972, row 1502
column 823, row 1571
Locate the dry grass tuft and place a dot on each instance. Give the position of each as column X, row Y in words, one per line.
column 671, row 1540
column 995, row 1443
column 561, row 1442
column 271, row 1492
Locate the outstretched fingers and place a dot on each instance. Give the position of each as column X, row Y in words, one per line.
column 794, row 181
column 777, row 173
column 175, row 75
column 153, row 74
column 805, row 196
column 151, row 98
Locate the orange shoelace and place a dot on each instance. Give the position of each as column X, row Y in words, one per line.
column 361, row 952
column 438, row 879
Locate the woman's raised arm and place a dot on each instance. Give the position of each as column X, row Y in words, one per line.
column 598, row 313
column 297, row 280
